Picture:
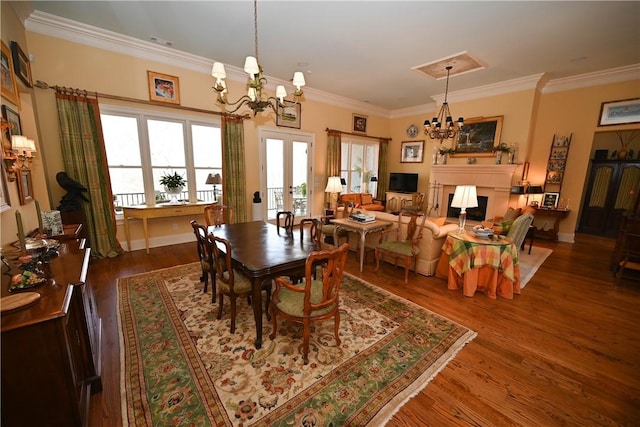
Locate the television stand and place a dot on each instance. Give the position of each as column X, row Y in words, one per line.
column 394, row 200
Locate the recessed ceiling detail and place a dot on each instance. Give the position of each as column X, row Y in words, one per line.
column 462, row 63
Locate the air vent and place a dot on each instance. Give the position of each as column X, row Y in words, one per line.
column 462, row 63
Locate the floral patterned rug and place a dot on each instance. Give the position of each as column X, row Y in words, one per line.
column 181, row 366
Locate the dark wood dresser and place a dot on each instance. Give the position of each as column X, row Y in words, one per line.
column 51, row 348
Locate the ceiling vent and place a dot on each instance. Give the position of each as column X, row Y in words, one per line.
column 462, row 63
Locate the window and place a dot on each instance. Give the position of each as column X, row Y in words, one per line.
column 359, row 165
column 142, row 146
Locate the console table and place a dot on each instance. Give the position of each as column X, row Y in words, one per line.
column 145, row 213
column 51, row 348
column 557, row 215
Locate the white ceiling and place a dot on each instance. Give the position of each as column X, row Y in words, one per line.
column 365, row 50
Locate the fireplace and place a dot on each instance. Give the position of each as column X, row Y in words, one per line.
column 473, row 214
column 493, row 185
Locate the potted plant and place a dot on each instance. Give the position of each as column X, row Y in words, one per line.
column 501, row 149
column 444, row 154
column 173, row 185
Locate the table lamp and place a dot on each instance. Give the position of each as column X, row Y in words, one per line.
column 464, row 197
column 533, row 189
column 334, row 187
column 215, row 180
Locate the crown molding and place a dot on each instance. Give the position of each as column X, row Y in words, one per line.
column 77, row 32
column 597, row 78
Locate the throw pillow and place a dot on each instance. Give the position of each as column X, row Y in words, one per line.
column 367, row 199
column 511, row 214
column 438, row 221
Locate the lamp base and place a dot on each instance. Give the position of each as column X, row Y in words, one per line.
column 333, row 201
column 462, row 219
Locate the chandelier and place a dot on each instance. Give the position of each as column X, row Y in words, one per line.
column 435, row 129
column 254, row 98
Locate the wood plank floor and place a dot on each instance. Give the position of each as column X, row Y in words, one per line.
column 564, row 352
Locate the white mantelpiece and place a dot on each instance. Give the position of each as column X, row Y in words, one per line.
column 492, row 181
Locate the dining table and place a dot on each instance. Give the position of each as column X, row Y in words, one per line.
column 476, row 263
column 262, row 252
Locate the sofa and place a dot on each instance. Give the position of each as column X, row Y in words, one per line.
column 361, row 201
column 433, row 235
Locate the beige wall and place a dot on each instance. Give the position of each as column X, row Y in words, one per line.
column 531, row 119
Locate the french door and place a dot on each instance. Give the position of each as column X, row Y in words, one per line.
column 287, row 180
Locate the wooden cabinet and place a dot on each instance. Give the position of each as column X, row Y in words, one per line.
column 543, row 215
column 394, row 200
column 558, row 155
column 610, row 193
column 51, row 348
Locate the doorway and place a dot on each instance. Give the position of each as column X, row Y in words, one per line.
column 286, row 159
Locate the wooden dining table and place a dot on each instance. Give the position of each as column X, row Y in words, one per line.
column 261, row 252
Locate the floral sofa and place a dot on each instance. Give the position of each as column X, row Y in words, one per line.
column 433, row 235
column 361, row 201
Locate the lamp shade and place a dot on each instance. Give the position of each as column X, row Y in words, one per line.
column 374, row 179
column 518, row 189
column 535, row 189
column 333, row 185
column 464, row 197
column 214, row 179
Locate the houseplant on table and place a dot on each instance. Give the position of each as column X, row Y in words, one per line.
column 173, row 185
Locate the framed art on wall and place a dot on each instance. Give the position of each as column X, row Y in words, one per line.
column 21, row 64
column 163, row 87
column 289, row 115
column 25, row 186
column 13, row 118
column 5, row 202
column 8, row 77
column 359, row 123
column 622, row 112
column 478, row 137
column 412, row 152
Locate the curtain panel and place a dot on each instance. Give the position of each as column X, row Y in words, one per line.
column 234, row 182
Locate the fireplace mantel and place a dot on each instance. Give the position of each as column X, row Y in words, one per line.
column 493, row 181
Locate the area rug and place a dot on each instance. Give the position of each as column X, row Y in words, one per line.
column 530, row 263
column 181, row 366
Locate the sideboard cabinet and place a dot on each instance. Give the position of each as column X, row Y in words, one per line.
column 51, row 348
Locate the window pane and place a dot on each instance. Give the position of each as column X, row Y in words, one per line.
column 166, row 144
column 207, row 146
column 127, row 186
column 121, row 140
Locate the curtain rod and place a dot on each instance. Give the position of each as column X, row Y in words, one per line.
column 73, row 91
column 357, row 134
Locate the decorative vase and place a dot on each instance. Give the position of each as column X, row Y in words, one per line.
column 444, row 158
column 498, row 157
column 173, row 192
column 622, row 154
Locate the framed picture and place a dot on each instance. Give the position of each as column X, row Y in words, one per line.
column 359, row 123
column 621, row 112
column 412, row 151
column 550, row 200
column 13, row 118
column 289, row 115
column 8, row 77
column 163, row 88
column 478, row 137
column 25, row 186
column 21, row 64
column 5, row 203
column 554, row 177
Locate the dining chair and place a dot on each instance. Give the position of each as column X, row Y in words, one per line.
column 217, row 214
column 205, row 257
column 314, row 229
column 312, row 300
column 231, row 283
column 519, row 228
column 402, row 246
column 288, row 218
column 414, row 204
column 327, row 228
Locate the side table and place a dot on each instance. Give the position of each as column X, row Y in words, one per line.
column 557, row 215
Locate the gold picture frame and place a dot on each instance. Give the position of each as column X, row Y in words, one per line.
column 479, row 136
column 359, row 123
column 163, row 88
column 21, row 64
column 9, row 86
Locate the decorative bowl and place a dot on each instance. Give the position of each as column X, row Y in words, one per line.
column 483, row 233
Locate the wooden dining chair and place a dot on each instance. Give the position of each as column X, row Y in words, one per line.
column 314, row 225
column 312, row 300
column 205, row 257
column 287, row 218
column 216, row 214
column 405, row 243
column 327, row 228
column 229, row 282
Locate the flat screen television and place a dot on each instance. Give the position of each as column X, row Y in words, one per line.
column 403, row 182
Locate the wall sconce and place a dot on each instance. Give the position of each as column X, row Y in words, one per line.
column 20, row 156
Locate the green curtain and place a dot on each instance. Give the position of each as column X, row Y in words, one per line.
column 334, row 151
column 234, row 181
column 85, row 160
column 383, row 169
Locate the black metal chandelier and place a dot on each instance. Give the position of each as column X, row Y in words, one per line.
column 435, row 129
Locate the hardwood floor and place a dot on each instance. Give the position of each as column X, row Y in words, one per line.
column 564, row 352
